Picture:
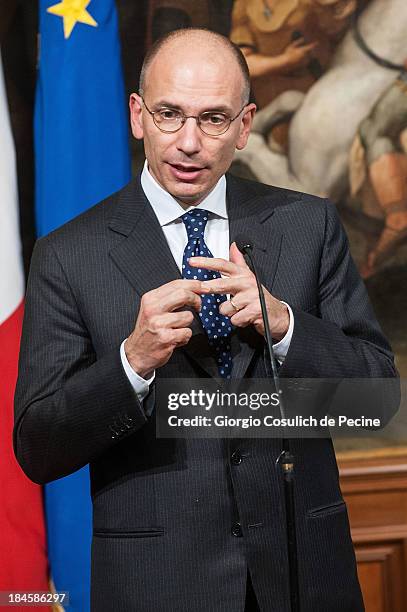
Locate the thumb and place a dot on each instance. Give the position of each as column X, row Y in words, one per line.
column 235, row 256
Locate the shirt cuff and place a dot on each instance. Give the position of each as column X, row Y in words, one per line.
column 140, row 385
column 281, row 347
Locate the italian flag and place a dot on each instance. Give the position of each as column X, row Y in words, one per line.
column 23, row 560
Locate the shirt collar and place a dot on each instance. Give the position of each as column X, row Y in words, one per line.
column 167, row 209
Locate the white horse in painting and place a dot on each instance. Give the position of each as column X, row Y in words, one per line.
column 327, row 117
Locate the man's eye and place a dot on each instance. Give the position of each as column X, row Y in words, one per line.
column 167, row 114
column 213, row 118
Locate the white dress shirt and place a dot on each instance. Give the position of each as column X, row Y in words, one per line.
column 168, row 212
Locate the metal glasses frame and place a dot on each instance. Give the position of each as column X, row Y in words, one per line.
column 196, row 117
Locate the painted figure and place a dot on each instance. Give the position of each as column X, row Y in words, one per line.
column 288, row 44
column 384, row 161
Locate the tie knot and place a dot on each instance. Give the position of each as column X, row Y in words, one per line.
column 195, row 222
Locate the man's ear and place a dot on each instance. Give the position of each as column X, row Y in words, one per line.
column 245, row 125
column 135, row 104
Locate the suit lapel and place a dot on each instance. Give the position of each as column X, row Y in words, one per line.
column 144, row 256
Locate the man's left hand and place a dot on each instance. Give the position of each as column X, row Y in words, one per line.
column 243, row 307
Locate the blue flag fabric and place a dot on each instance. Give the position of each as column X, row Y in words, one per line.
column 81, row 133
column 82, row 156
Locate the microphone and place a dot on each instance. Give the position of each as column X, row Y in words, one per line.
column 286, row 458
column 243, row 243
column 245, row 246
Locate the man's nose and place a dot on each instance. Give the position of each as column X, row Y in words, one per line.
column 189, row 137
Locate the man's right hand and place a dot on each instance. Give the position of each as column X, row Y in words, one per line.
column 161, row 326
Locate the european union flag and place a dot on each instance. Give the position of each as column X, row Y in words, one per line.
column 82, row 156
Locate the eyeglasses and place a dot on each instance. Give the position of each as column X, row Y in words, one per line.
column 212, row 123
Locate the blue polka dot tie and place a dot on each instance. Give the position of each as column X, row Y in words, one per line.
column 216, row 325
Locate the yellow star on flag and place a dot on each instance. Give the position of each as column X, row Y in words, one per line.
column 71, row 12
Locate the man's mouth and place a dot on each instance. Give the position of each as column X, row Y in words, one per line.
column 186, row 172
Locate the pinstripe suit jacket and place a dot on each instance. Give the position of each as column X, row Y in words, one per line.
column 163, row 509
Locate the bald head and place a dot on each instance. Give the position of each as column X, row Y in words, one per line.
column 210, row 46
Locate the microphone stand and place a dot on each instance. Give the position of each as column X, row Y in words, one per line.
column 286, row 458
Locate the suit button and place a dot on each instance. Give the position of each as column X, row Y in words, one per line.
column 236, row 457
column 237, row 530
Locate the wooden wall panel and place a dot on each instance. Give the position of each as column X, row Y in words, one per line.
column 374, row 485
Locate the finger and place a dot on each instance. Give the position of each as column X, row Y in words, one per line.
column 298, row 42
column 247, row 314
column 181, row 337
column 310, row 46
column 181, row 297
column 180, row 284
column 156, row 297
column 243, row 318
column 236, row 256
column 238, row 302
column 172, row 320
column 214, row 263
column 226, row 285
column 227, row 308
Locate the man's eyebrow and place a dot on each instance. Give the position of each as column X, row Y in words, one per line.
column 220, row 109
column 167, row 104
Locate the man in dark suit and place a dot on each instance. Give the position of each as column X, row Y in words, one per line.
column 113, row 306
